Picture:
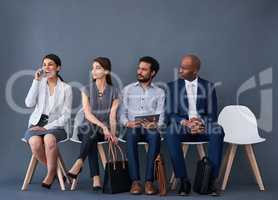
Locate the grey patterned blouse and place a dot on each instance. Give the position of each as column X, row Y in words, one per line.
column 101, row 105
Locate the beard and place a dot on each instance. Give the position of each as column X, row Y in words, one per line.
column 143, row 79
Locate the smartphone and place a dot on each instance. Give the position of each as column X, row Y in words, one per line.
column 42, row 73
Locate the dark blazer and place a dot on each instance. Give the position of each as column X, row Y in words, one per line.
column 177, row 102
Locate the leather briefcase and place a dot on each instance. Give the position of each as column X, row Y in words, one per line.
column 160, row 175
column 203, row 176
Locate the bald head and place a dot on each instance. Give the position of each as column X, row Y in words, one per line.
column 194, row 60
column 189, row 67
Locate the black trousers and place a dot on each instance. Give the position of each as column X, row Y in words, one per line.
column 90, row 135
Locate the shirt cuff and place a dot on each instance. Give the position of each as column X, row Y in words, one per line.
column 35, row 82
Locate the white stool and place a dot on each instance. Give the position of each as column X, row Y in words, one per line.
column 61, row 170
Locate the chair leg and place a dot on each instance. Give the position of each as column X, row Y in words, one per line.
column 74, row 184
column 185, row 148
column 32, row 175
column 60, row 177
column 173, row 180
column 102, row 155
column 61, row 164
column 146, row 147
column 252, row 159
column 224, row 163
column 201, row 151
column 30, row 171
column 231, row 157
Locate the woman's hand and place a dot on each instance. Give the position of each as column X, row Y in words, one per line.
column 107, row 133
column 109, row 136
column 37, row 128
column 114, row 139
column 38, row 75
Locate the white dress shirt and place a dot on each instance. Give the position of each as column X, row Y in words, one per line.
column 191, row 90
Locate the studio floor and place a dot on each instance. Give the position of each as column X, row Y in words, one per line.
column 10, row 190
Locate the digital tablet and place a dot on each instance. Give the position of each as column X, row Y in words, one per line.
column 150, row 118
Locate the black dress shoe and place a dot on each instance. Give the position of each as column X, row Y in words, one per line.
column 185, row 188
column 215, row 187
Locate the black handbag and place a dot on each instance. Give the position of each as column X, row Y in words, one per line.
column 203, row 176
column 43, row 120
column 116, row 175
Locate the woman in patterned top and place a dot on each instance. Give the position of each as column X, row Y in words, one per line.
column 100, row 102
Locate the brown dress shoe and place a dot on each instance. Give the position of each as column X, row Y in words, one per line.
column 136, row 188
column 149, row 188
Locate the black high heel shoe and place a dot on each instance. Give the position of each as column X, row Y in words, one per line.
column 74, row 176
column 97, row 188
column 48, row 186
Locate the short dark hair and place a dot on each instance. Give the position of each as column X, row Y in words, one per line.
column 153, row 62
column 195, row 59
column 54, row 58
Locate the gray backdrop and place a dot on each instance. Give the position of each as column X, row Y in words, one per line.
column 235, row 40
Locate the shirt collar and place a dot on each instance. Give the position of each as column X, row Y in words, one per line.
column 138, row 84
column 194, row 82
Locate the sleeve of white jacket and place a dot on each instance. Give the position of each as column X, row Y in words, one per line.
column 66, row 112
column 32, row 96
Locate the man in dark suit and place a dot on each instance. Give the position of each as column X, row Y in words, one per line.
column 191, row 114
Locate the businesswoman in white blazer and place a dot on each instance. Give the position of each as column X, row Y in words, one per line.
column 49, row 123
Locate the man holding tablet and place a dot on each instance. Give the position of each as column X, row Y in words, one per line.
column 142, row 113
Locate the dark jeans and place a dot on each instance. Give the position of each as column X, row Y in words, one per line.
column 177, row 134
column 90, row 135
column 152, row 137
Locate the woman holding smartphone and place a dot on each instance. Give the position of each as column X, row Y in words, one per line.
column 100, row 104
column 50, row 120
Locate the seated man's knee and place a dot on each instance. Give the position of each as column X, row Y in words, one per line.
column 154, row 138
column 174, row 128
column 217, row 130
column 171, row 134
column 131, row 134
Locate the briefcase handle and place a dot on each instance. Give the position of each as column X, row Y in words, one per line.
column 205, row 159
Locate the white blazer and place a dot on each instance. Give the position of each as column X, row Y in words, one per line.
column 60, row 113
